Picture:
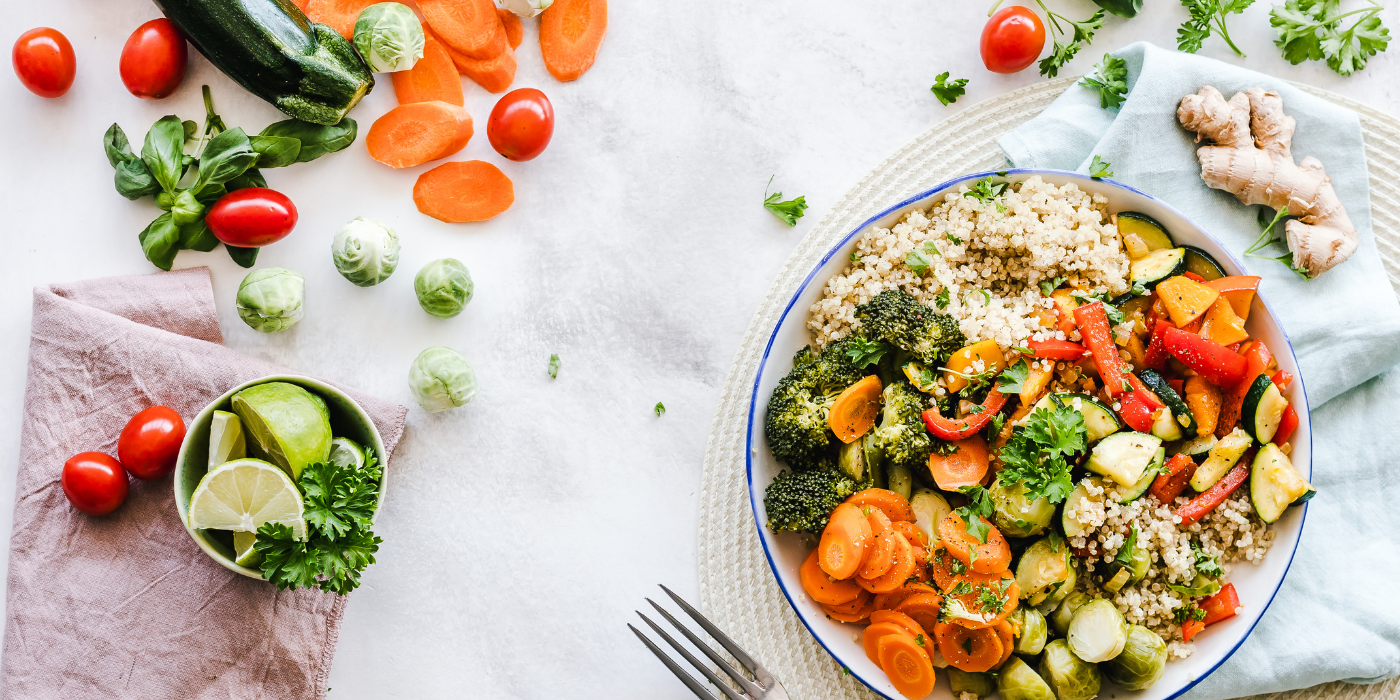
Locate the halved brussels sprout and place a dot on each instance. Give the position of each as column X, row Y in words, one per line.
column 1120, row 574
column 1017, row 681
column 979, row 684
column 1097, row 632
column 389, row 37
column 271, row 300
column 852, row 460
column 1069, row 676
column 1060, row 619
column 1032, row 630
column 929, row 509
column 1142, row 663
column 1045, row 569
column 1017, row 516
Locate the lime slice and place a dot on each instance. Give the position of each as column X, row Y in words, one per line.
column 243, row 549
column 346, row 453
column 242, row 495
column 288, row 425
column 226, row 440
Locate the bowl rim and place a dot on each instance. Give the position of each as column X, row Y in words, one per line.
column 927, row 194
column 182, row 505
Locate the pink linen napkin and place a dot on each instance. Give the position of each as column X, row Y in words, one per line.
column 126, row 605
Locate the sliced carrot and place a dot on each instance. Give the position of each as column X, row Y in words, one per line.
column 901, row 569
column 432, row 78
column 968, row 650
column 923, row 607
column 911, row 532
column 891, row 600
column 473, row 190
column 853, row 412
column 908, row 623
column 339, row 15
column 982, row 600
column 469, row 26
column 857, row 610
column 416, row 133
column 844, row 542
column 495, row 74
column 964, row 467
column 921, row 557
column 945, row 569
column 823, row 588
column 870, row 639
column 301, row 4
column 1007, row 638
column 894, row 505
column 908, row 665
column 881, row 555
column 515, row 32
column 992, row 556
column 571, row 32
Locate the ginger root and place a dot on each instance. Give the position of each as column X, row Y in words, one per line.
column 1248, row 155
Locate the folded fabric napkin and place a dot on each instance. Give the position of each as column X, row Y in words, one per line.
column 126, row 605
column 1336, row 616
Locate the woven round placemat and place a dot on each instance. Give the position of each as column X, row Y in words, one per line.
column 737, row 591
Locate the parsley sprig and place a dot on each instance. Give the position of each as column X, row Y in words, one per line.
column 1311, row 30
column 948, row 91
column 864, row 353
column 918, row 259
column 339, row 504
column 1266, row 238
column 789, row 211
column 1110, row 78
column 1206, row 565
column 1099, row 167
column 987, row 191
column 978, row 509
column 1036, row 455
column 1067, row 42
column 1208, row 17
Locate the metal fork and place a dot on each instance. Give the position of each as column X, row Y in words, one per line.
column 763, row 687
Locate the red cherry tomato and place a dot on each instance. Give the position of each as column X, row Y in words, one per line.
column 1012, row 40
column 252, row 217
column 44, row 62
column 153, row 60
column 521, row 124
column 150, row 442
column 94, row 483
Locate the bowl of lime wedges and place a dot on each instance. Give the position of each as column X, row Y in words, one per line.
column 243, row 458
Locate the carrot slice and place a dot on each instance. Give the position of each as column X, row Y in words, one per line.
column 978, row 600
column 339, row 15
column 923, row 608
column 908, row 623
column 571, row 32
column 908, row 665
column 911, row 532
column 845, row 541
column 432, row 78
column 901, row 569
column 823, row 588
column 301, row 4
column 891, row 600
column 965, row 467
column 473, row 190
column 992, row 556
column 495, row 74
column 515, row 32
column 881, row 555
column 853, row 412
column 945, row 569
column 471, row 27
column 855, row 611
column 968, row 650
column 870, row 639
column 1006, row 636
column 894, row 505
column 416, row 133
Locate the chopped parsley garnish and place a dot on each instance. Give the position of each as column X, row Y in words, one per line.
column 979, row 507
column 919, row 640
column 1036, row 454
column 789, row 211
column 967, row 645
column 918, row 259
column 660, row 408
column 1014, row 378
column 989, row 601
column 553, row 366
column 1182, row 614
column 985, row 190
column 855, row 258
column 994, row 428
column 941, row 299
column 948, row 91
column 954, row 239
column 1206, row 565
column 1099, row 167
column 1125, row 553
column 864, row 353
column 1048, row 287
column 1110, row 78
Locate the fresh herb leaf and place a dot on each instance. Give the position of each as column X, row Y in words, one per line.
column 1311, row 30
column 855, row 258
column 337, row 499
column 789, row 212
column 244, row 257
column 134, row 181
column 986, row 190
column 948, row 91
column 197, row 236
column 955, row 240
column 1266, row 238
column 941, row 299
column 1110, row 78
column 918, row 259
column 994, row 428
column 1125, row 553
column 315, row 140
column 967, row 645
column 225, row 157
column 988, row 601
column 1206, row 565
column 161, row 241
column 339, row 503
column 864, row 353
column 1208, row 17
column 165, row 144
column 1065, row 47
column 979, row 507
column 1099, row 168
column 1014, row 378
column 919, row 640
column 275, row 151
column 1122, row 8
column 1037, row 453
column 659, row 409
column 553, row 366
column 1048, row 287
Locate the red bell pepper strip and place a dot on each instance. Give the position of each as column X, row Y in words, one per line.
column 1052, row 349
column 1257, row 360
column 1135, row 411
column 1193, row 276
column 1222, row 605
column 1286, row 426
column 1092, row 320
column 1215, row 495
column 1282, row 380
column 1148, row 396
column 1156, row 355
column 1191, row 628
column 1177, row 385
column 1213, row 361
column 967, row 426
column 1169, row 484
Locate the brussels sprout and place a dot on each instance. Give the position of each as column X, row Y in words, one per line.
column 1060, row 619
column 1097, row 632
column 930, row 508
column 852, row 459
column 1016, row 516
column 1031, row 630
column 365, row 252
column 1121, row 573
column 389, row 37
column 1069, row 676
column 979, row 684
column 270, row 300
column 1017, row 681
column 1142, row 663
column 441, row 379
column 1045, row 569
column 525, row 8
column 444, row 287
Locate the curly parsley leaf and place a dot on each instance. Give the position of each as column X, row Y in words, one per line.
column 1037, row 453
column 789, row 211
column 1206, row 565
column 1065, row 47
column 948, row 91
column 337, row 499
column 979, row 507
column 941, row 299
column 1014, row 378
column 1208, row 17
column 986, row 191
column 918, row 259
column 1311, row 30
column 339, row 503
column 1110, row 78
column 1099, row 167
column 864, row 353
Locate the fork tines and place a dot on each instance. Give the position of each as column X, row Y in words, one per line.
column 763, row 687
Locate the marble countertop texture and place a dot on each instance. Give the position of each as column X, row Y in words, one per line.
column 522, row 530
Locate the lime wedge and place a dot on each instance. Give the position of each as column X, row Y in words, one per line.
column 242, row 495
column 346, row 453
column 243, row 550
column 288, row 425
column 226, row 440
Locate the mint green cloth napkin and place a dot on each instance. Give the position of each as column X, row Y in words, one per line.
column 1337, row 616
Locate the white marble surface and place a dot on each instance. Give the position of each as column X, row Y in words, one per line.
column 522, row 530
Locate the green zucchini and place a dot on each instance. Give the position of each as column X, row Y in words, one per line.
column 1263, row 409
column 1223, row 456
column 1275, row 484
column 1149, row 475
column 1201, row 263
column 1150, row 235
column 1164, row 391
column 1099, row 420
column 269, row 47
column 1197, row 446
column 1157, row 266
column 1124, row 457
column 1078, row 501
column 1165, row 426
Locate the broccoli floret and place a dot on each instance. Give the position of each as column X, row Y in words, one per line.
column 803, row 501
column 898, row 318
column 902, row 435
column 796, row 423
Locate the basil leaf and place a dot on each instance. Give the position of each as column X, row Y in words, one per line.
column 117, row 147
column 191, row 130
column 187, row 209
column 165, row 200
column 134, row 181
column 316, row 139
column 165, row 144
column 225, row 157
column 252, row 178
column 211, row 194
column 275, row 151
column 245, row 257
column 197, row 236
column 1122, row 8
column 161, row 241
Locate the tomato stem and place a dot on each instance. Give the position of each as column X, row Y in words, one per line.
column 995, row 5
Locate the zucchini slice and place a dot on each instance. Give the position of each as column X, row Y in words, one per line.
column 1275, row 484
column 1201, row 263
column 1223, row 456
column 1164, row 425
column 1077, row 500
column 1142, row 234
column 1197, row 446
column 1164, row 391
column 1263, row 409
column 1149, row 475
column 1124, row 457
column 1099, row 420
column 1157, row 266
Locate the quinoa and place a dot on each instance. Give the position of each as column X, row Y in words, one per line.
column 991, row 259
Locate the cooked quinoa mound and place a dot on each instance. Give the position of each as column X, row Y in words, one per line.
column 1004, row 247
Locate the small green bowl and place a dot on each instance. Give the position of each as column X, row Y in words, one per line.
column 347, row 420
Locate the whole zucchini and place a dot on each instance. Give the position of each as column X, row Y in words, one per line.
column 269, row 47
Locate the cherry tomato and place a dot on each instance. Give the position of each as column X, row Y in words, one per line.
column 94, row 483
column 521, row 124
column 150, row 442
column 153, row 60
column 1012, row 40
column 252, row 217
column 44, row 62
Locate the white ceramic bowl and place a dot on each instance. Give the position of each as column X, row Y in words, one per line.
column 1256, row 584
